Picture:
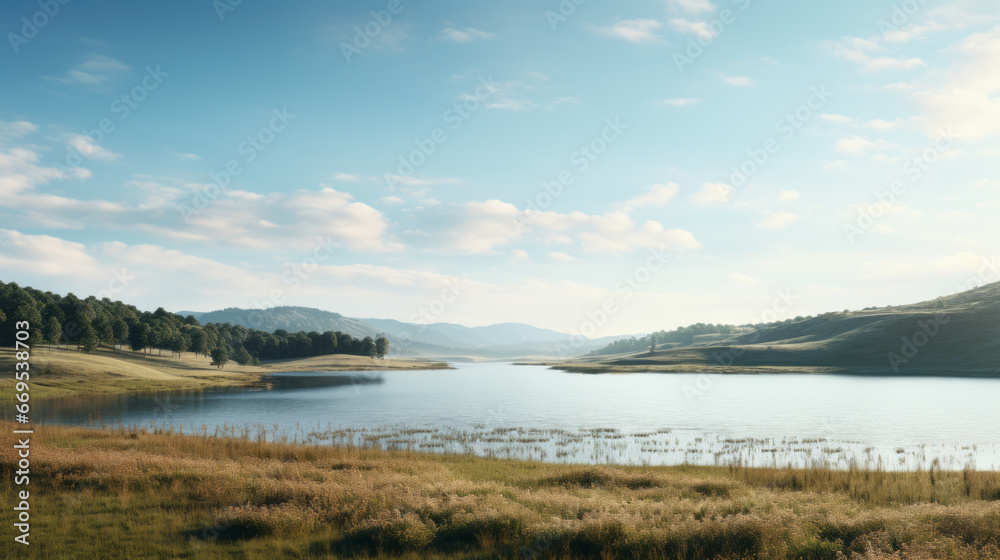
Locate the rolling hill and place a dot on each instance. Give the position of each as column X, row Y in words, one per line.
column 291, row 319
column 504, row 340
column 957, row 334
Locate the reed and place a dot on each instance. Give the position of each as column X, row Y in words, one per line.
column 129, row 493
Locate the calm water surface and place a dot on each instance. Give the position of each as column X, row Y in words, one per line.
column 531, row 412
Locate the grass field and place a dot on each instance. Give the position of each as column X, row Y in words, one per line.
column 132, row 494
column 62, row 371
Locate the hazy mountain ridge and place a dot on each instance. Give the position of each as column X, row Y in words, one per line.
column 953, row 334
column 291, row 319
column 496, row 341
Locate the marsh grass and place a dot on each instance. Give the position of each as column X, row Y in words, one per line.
column 130, row 493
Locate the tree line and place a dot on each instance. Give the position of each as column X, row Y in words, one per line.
column 89, row 323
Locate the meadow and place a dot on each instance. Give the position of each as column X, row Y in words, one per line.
column 62, row 371
column 129, row 493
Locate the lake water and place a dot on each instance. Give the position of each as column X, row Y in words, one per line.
column 531, row 412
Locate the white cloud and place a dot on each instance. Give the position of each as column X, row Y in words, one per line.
column 411, row 181
column 518, row 95
column 956, row 215
column 679, row 101
column 789, row 195
column 740, row 81
column 836, row 165
column 87, row 148
column 483, row 227
column 95, row 70
column 466, row 35
column 392, row 200
column 188, row 156
column 742, row 278
column 968, row 99
column 691, row 6
column 713, row 193
column 45, row 255
column 852, row 49
column 776, row 220
column 686, row 26
column 564, row 257
column 16, row 129
column 841, row 119
column 518, row 255
column 655, row 195
column 856, row 145
column 633, row 30
column 351, row 177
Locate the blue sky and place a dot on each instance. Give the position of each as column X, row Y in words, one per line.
column 712, row 154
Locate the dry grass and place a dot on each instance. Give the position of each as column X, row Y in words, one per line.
column 61, row 371
column 132, row 494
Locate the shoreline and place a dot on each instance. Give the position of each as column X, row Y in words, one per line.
column 66, row 371
column 689, row 368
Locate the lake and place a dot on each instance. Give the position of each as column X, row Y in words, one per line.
column 530, row 412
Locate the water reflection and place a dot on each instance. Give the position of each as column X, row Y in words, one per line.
column 535, row 413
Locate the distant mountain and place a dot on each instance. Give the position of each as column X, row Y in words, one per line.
column 502, row 340
column 460, row 336
column 957, row 334
column 292, row 319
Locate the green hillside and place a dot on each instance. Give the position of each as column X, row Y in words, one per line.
column 958, row 334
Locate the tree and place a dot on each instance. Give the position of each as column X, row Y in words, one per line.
column 36, row 337
column 368, row 347
column 88, row 338
column 328, row 342
column 242, row 357
column 120, row 328
column 53, row 331
column 220, row 357
column 139, row 337
column 381, row 346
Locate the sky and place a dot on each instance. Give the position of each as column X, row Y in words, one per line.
column 597, row 168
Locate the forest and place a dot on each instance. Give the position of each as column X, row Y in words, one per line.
column 90, row 323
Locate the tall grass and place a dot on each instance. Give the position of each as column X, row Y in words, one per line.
column 130, row 493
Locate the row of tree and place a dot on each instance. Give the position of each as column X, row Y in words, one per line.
column 89, row 323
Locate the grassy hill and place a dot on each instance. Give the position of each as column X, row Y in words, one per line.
column 62, row 371
column 958, row 334
column 292, row 319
